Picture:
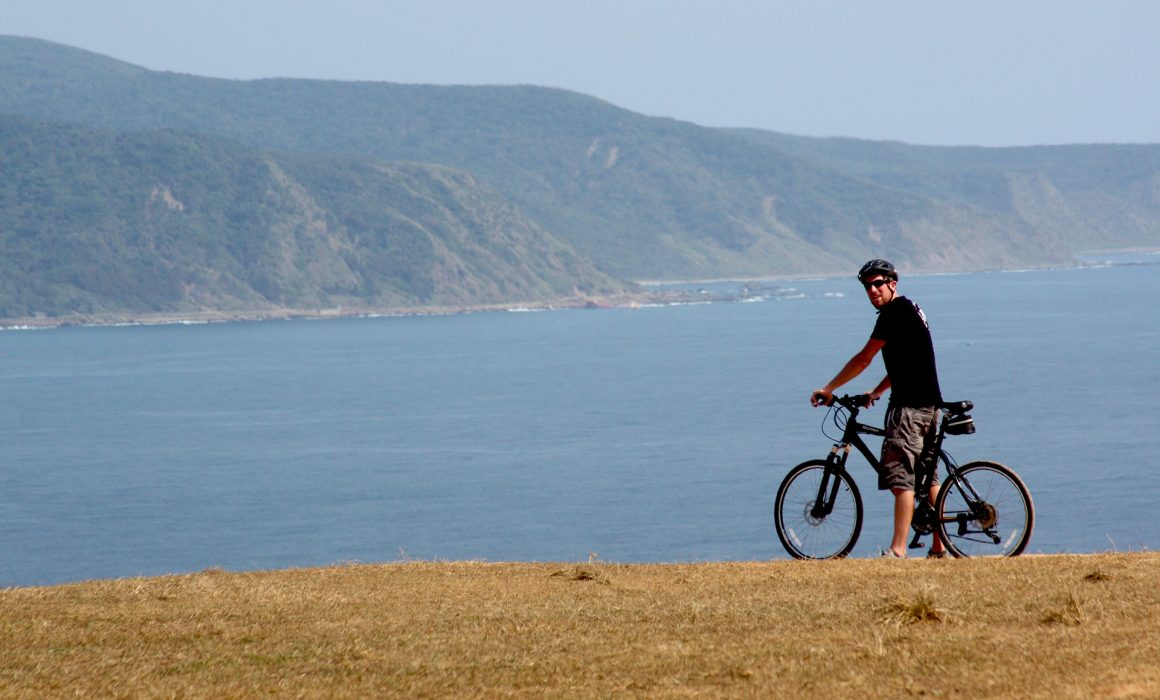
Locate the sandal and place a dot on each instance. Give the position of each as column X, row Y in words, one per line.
column 889, row 553
column 936, row 555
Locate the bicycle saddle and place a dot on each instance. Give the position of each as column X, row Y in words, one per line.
column 957, row 406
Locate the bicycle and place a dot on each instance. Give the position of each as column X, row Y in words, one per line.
column 982, row 509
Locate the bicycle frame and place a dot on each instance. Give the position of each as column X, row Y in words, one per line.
column 925, row 471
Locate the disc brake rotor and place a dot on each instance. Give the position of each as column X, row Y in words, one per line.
column 808, row 515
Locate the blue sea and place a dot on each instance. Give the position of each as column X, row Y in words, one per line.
column 655, row 434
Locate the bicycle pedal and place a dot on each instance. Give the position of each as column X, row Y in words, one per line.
column 916, row 545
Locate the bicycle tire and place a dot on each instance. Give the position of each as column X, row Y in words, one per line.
column 1000, row 525
column 805, row 536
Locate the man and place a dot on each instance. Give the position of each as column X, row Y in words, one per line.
column 912, row 416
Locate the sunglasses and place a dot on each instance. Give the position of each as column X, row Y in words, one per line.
column 877, row 284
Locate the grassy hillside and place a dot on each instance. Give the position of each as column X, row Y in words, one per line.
column 1035, row 626
column 94, row 222
column 1093, row 196
column 644, row 197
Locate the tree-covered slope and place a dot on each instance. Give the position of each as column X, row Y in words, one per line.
column 640, row 196
column 94, row 221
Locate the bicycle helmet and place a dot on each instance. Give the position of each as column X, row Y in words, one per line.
column 877, row 266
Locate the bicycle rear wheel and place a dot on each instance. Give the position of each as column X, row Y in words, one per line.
column 806, row 532
column 985, row 509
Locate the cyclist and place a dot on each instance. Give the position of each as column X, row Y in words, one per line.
column 903, row 336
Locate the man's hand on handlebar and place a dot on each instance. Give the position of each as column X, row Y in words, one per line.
column 821, row 397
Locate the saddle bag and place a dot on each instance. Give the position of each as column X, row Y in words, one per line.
column 961, row 424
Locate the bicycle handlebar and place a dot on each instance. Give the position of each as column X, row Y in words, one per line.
column 846, row 400
column 853, row 402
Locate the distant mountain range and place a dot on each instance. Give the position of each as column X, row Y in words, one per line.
column 129, row 190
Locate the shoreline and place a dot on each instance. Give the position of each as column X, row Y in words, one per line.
column 651, row 294
column 206, row 316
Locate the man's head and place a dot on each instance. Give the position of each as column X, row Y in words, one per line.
column 880, row 280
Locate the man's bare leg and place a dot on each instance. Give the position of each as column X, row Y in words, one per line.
column 936, row 545
column 903, row 512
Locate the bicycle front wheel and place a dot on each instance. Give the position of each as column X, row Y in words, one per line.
column 818, row 512
column 985, row 509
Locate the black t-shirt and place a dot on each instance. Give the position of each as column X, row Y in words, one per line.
column 908, row 354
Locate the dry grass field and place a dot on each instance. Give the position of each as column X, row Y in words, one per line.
column 1036, row 626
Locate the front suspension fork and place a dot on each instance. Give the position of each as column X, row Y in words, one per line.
column 828, row 488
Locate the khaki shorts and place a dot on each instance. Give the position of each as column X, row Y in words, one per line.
column 908, row 430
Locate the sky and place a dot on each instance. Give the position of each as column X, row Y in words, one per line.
column 978, row 72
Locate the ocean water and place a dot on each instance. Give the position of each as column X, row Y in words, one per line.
column 631, row 435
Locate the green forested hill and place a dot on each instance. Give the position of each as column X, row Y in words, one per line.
column 96, row 222
column 639, row 197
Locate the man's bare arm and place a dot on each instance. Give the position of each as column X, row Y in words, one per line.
column 855, row 366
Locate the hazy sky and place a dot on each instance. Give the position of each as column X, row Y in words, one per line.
column 994, row 73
